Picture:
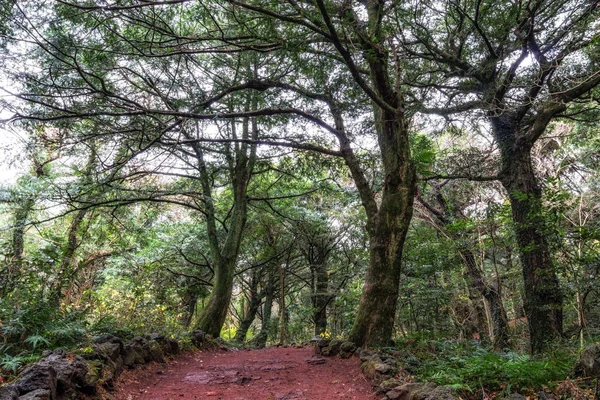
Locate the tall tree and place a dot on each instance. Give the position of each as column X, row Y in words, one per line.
column 519, row 66
column 144, row 75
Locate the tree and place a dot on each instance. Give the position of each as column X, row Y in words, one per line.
column 518, row 66
column 146, row 77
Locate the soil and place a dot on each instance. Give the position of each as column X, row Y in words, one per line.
column 274, row 373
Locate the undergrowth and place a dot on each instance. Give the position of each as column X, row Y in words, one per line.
column 473, row 368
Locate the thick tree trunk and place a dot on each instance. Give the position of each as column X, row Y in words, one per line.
column 387, row 228
column 213, row 315
column 543, row 297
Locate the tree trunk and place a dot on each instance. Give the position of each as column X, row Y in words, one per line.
column 320, row 298
column 260, row 340
column 476, row 280
column 254, row 301
column 474, row 276
column 387, row 228
column 282, row 321
column 543, row 297
column 224, row 257
column 189, row 309
column 68, row 267
column 15, row 259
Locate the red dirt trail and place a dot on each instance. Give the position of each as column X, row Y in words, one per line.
column 272, row 373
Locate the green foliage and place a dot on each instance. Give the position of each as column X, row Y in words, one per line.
column 12, row 363
column 36, row 341
column 471, row 368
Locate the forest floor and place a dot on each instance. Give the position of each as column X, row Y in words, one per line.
column 276, row 373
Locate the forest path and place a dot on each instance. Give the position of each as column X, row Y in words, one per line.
column 273, row 373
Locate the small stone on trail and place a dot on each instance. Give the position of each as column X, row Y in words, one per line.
column 316, row 361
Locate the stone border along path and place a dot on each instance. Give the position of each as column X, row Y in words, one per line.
column 60, row 375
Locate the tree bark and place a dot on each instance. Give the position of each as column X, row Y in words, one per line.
column 254, row 300
column 320, row 297
column 543, row 297
column 387, row 228
column 260, row 340
column 189, row 309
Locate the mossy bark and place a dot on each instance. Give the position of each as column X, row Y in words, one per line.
column 387, row 228
column 543, row 298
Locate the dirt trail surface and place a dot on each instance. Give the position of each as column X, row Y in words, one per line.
column 273, row 373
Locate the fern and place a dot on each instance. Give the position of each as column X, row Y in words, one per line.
column 36, row 340
column 11, row 363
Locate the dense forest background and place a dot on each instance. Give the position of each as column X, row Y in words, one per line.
column 396, row 173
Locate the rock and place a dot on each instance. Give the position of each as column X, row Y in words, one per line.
column 545, row 396
column 37, row 377
column 109, row 339
column 365, row 355
column 345, row 355
column 70, row 372
column 9, row 392
column 348, row 347
column 39, row 394
column 333, row 349
column 173, row 346
column 198, row 336
column 168, row 345
column 109, row 347
column 377, row 371
column 588, row 364
column 421, row 391
column 393, row 395
column 384, row 369
column 316, row 360
column 388, row 385
column 155, row 336
column 108, row 350
column 130, row 356
column 204, row 341
column 109, row 373
column 139, row 346
column 156, row 353
column 336, row 345
column 142, row 347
